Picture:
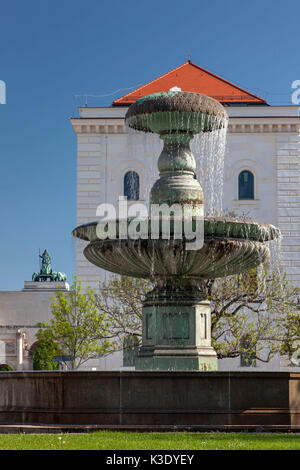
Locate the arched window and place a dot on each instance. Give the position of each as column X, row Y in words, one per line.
column 246, row 185
column 132, row 186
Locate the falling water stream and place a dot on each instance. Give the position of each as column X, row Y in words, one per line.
column 209, row 150
column 148, row 146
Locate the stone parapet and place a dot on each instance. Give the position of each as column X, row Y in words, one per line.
column 215, row 400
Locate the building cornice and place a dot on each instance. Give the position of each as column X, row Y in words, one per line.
column 282, row 124
column 237, row 125
column 96, row 126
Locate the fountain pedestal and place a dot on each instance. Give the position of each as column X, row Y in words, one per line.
column 176, row 330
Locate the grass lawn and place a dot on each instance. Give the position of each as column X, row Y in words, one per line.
column 150, row 441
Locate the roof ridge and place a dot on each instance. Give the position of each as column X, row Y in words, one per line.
column 125, row 99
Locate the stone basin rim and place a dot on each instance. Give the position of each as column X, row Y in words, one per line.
column 176, row 101
column 235, row 230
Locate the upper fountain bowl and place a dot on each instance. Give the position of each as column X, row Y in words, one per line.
column 230, row 247
column 176, row 111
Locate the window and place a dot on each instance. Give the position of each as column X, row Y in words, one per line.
column 132, row 186
column 246, row 185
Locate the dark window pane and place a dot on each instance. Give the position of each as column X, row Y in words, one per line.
column 246, row 185
column 132, row 186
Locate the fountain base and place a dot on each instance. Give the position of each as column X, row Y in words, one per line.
column 176, row 329
column 201, row 359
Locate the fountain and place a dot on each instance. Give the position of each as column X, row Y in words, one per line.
column 176, row 314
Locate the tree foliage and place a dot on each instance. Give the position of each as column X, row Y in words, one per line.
column 5, row 368
column 121, row 300
column 290, row 344
column 254, row 314
column 77, row 326
column 249, row 309
column 43, row 355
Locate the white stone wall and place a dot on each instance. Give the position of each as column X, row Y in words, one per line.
column 21, row 310
column 254, row 152
column 91, row 188
column 277, row 363
column 288, row 201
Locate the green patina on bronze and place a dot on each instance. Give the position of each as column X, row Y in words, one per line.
column 214, row 228
column 176, row 314
column 176, row 111
column 46, row 273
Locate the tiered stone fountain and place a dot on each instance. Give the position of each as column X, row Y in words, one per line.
column 176, row 314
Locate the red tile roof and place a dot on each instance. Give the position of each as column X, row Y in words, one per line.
column 191, row 77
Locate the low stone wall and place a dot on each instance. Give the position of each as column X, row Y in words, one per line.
column 130, row 398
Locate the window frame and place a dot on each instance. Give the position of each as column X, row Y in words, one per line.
column 250, row 172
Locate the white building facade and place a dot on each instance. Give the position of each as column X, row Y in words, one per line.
column 20, row 313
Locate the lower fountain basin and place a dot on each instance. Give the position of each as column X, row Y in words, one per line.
column 230, row 246
column 160, row 258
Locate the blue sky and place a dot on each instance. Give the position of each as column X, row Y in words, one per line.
column 53, row 50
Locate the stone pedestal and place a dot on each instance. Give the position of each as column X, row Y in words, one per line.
column 176, row 331
column 46, row 286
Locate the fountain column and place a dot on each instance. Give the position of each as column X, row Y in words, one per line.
column 176, row 320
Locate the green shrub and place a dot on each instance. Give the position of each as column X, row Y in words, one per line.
column 43, row 356
column 5, row 368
